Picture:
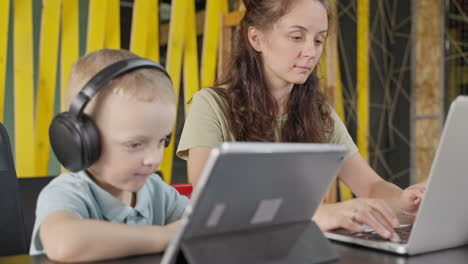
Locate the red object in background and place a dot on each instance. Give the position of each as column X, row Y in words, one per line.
column 184, row 188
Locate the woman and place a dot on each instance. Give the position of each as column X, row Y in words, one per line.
column 271, row 93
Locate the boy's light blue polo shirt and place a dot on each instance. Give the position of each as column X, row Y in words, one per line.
column 157, row 203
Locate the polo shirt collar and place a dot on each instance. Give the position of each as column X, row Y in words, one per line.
column 112, row 208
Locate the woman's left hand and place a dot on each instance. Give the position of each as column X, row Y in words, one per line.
column 411, row 197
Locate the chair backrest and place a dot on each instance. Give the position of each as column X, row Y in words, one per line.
column 184, row 188
column 12, row 233
column 29, row 189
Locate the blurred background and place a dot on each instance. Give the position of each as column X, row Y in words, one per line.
column 390, row 69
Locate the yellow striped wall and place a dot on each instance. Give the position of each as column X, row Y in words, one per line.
column 362, row 85
column 59, row 47
column 23, row 87
column 4, row 21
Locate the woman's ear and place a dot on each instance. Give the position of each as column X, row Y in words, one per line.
column 255, row 38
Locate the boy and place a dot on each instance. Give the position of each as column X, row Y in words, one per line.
column 117, row 206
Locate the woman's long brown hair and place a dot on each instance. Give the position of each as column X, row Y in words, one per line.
column 252, row 109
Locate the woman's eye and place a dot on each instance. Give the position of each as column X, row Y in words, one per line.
column 297, row 38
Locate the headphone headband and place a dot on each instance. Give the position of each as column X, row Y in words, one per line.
column 73, row 135
column 104, row 76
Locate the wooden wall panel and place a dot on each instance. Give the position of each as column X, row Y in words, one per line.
column 428, row 97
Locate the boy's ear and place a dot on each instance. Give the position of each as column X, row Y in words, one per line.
column 255, row 37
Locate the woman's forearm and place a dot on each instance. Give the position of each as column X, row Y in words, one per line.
column 386, row 191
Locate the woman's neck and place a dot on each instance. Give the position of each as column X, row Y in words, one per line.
column 281, row 95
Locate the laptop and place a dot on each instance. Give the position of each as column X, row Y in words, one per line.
column 442, row 219
column 254, row 203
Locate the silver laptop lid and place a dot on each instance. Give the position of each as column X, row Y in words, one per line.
column 442, row 221
column 249, row 185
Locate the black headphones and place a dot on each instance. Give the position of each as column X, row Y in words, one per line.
column 73, row 135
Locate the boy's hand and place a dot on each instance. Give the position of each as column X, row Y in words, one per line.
column 161, row 236
column 174, row 226
column 411, row 197
column 171, row 230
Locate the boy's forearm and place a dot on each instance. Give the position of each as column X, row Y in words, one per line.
column 88, row 240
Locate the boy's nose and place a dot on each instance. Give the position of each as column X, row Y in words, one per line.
column 153, row 158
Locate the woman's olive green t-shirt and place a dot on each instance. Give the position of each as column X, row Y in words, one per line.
column 207, row 125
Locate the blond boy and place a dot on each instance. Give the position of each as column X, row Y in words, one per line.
column 117, row 206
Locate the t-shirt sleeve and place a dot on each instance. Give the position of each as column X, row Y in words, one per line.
column 175, row 203
column 340, row 135
column 55, row 198
column 202, row 127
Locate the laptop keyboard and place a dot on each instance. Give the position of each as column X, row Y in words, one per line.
column 403, row 232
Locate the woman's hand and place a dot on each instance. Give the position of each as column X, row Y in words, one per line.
column 411, row 197
column 352, row 214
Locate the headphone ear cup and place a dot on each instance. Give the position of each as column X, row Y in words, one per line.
column 91, row 141
column 66, row 141
column 75, row 142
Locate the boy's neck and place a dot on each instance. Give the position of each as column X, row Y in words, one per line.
column 128, row 198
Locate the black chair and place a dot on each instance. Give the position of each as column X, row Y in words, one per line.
column 17, row 202
column 12, row 232
column 29, row 189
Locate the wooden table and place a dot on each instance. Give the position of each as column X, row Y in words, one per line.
column 348, row 255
